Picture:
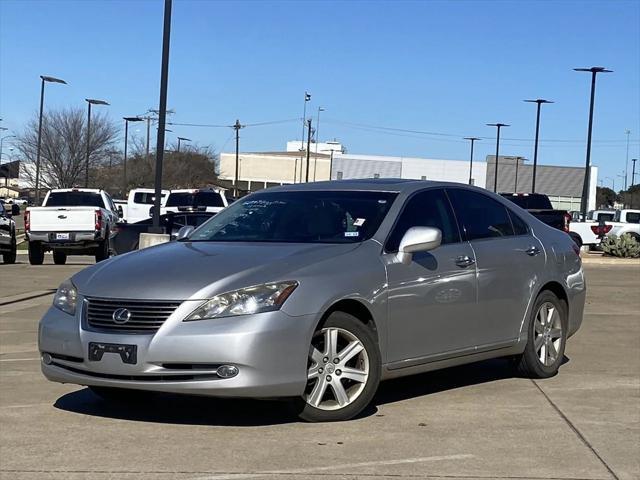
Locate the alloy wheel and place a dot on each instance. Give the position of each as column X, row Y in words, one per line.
column 338, row 369
column 548, row 334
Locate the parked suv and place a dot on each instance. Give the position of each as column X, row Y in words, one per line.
column 318, row 292
column 8, row 243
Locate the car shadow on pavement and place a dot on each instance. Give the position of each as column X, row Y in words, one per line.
column 197, row 410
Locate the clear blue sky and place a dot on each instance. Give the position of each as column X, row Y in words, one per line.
column 446, row 67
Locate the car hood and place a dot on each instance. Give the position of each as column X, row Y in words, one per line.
column 198, row 270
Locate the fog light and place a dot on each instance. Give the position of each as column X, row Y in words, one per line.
column 227, row 371
column 46, row 358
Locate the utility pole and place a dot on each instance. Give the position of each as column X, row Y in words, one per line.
column 307, row 98
column 308, row 148
column 633, row 171
column 539, row 102
column 626, row 161
column 472, row 139
column 237, row 128
column 495, row 176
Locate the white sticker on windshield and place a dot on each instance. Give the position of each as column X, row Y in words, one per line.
column 351, row 234
column 358, row 222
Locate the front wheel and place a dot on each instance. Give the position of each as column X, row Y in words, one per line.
column 343, row 370
column 547, row 337
column 10, row 256
column 102, row 252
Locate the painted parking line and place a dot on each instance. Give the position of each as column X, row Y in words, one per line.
column 327, row 468
column 19, row 359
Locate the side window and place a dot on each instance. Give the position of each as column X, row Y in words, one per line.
column 479, row 215
column 519, row 225
column 429, row 208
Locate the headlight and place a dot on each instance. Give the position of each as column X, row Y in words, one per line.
column 66, row 297
column 257, row 299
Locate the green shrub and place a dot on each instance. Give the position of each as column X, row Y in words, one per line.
column 624, row 246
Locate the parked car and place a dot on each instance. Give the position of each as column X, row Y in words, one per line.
column 72, row 221
column 139, row 204
column 8, row 243
column 319, row 291
column 202, row 200
column 599, row 224
column 127, row 235
column 626, row 221
column 540, row 207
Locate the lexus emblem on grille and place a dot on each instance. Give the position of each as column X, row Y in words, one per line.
column 121, row 316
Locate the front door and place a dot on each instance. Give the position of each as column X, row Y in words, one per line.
column 432, row 300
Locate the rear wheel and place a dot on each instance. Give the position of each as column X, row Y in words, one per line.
column 343, row 370
column 547, row 337
column 59, row 257
column 102, row 252
column 10, row 256
column 36, row 253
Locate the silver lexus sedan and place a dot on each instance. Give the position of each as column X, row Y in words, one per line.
column 318, row 292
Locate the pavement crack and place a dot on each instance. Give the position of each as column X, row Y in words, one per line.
column 576, row 431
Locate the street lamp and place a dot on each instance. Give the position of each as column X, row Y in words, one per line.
column 585, row 187
column 498, row 126
column 539, row 101
column 472, row 139
column 2, row 141
column 315, row 162
column 331, row 160
column 45, row 79
column 307, row 98
column 90, row 101
column 626, row 160
column 182, row 139
column 633, row 171
column 126, row 140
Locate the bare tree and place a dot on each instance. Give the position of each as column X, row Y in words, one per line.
column 64, row 147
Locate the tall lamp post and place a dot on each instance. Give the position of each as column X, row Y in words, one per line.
column 307, row 98
column 498, row 127
column 2, row 141
column 539, row 102
column 315, row 162
column 633, row 171
column 585, row 186
column 126, row 140
column 473, row 140
column 626, row 160
column 182, row 139
column 44, row 79
column 90, row 101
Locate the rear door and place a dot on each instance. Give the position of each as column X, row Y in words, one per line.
column 509, row 261
column 431, row 301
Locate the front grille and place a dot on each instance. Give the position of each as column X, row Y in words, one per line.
column 147, row 316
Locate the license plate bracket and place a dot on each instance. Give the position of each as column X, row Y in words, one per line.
column 128, row 353
column 62, row 236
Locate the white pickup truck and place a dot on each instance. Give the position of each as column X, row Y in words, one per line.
column 77, row 221
column 195, row 200
column 139, row 203
column 626, row 221
column 605, row 222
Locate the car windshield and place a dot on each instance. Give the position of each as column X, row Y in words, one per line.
column 208, row 199
column 299, row 217
column 75, row 199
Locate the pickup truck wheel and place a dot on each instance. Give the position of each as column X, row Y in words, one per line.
column 59, row 257
column 10, row 256
column 102, row 252
column 36, row 253
column 576, row 238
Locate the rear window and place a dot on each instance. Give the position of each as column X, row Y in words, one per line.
column 145, row 198
column 605, row 217
column 530, row 202
column 75, row 199
column 197, row 199
column 633, row 217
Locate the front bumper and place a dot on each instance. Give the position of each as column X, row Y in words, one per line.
column 270, row 351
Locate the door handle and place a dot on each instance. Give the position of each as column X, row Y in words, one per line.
column 464, row 261
column 532, row 251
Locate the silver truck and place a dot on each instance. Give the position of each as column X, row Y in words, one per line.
column 72, row 221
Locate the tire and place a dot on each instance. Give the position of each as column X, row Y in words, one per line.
column 36, row 253
column 102, row 252
column 120, row 395
column 320, row 400
column 10, row 256
column 59, row 257
column 544, row 338
column 576, row 239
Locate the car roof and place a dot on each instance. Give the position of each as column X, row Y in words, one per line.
column 367, row 184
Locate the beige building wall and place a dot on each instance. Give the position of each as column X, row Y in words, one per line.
column 274, row 168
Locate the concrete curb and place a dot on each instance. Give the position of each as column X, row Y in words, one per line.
column 602, row 260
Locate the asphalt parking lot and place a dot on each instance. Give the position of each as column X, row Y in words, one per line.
column 471, row 422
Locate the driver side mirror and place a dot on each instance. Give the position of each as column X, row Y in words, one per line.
column 418, row 239
column 184, row 232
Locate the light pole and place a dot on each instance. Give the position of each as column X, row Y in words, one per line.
column 90, row 101
column 308, row 149
column 626, row 161
column 45, row 79
column 633, row 171
column 2, row 141
column 473, row 140
column 538, row 101
column 315, row 161
column 237, row 126
column 307, row 98
column 126, row 140
column 498, row 127
column 517, row 165
column 331, row 150
column 182, row 139
column 585, row 187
